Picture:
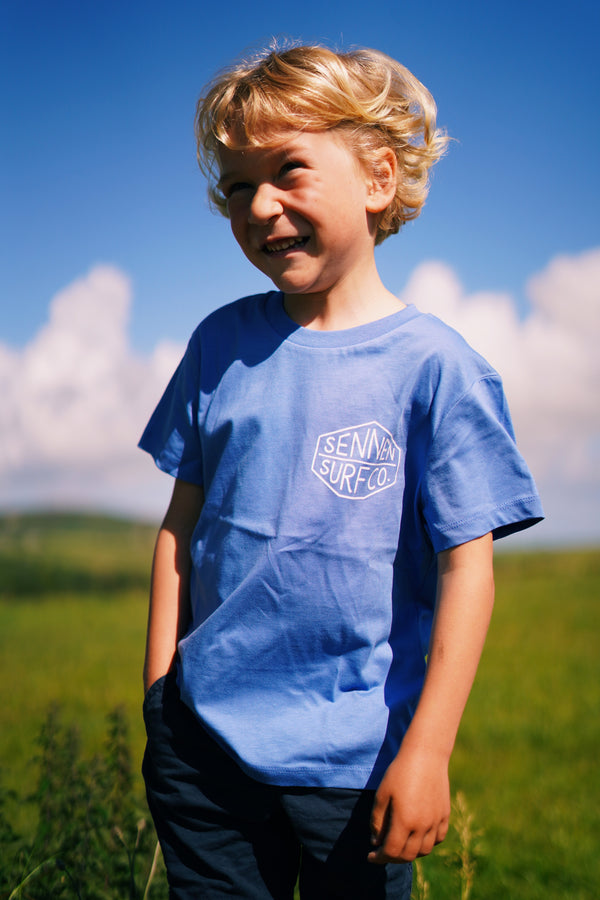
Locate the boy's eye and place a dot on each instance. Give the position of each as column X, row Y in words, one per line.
column 290, row 166
column 235, row 188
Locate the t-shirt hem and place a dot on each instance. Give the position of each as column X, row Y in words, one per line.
column 351, row 777
column 514, row 515
column 170, row 465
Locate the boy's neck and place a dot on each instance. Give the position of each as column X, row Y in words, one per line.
column 342, row 309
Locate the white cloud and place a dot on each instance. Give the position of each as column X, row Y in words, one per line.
column 550, row 366
column 76, row 399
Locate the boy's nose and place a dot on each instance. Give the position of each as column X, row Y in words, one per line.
column 265, row 205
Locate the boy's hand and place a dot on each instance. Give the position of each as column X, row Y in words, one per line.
column 412, row 806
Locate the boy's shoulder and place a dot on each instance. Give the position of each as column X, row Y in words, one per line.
column 239, row 322
column 244, row 309
column 239, row 330
column 442, row 348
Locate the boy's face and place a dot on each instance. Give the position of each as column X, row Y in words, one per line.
column 301, row 210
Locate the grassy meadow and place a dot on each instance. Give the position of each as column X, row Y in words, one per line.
column 525, row 776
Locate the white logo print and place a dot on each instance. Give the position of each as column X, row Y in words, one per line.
column 357, row 462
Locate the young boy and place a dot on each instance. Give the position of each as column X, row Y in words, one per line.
column 322, row 581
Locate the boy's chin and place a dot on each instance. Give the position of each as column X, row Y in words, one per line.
column 296, row 285
column 289, row 286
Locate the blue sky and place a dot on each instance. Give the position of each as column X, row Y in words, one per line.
column 98, row 158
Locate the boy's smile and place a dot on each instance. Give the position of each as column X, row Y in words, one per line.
column 303, row 212
column 280, row 246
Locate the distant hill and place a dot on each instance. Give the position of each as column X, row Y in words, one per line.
column 45, row 553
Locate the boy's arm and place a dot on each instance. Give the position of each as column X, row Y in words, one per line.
column 168, row 615
column 412, row 805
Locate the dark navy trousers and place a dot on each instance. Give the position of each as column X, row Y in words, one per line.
column 224, row 834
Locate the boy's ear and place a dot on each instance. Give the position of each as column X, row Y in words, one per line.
column 382, row 180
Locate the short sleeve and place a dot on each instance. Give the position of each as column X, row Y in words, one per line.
column 475, row 478
column 172, row 435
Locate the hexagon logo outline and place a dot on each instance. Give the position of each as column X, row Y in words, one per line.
column 357, row 462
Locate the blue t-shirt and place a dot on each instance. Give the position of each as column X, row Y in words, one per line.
column 335, row 466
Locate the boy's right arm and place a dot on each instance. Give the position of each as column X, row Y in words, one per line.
column 169, row 612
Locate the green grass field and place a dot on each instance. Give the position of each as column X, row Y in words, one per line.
column 73, row 595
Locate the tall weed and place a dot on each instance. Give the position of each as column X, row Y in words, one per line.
column 461, row 852
column 93, row 839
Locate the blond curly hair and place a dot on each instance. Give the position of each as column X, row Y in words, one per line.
column 369, row 96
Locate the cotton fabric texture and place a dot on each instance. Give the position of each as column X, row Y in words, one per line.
column 335, row 465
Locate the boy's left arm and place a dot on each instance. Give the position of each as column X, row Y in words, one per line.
column 412, row 805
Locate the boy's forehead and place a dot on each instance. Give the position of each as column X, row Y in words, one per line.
column 275, row 144
column 244, row 153
column 271, row 140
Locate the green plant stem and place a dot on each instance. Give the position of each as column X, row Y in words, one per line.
column 43, row 865
column 152, row 870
